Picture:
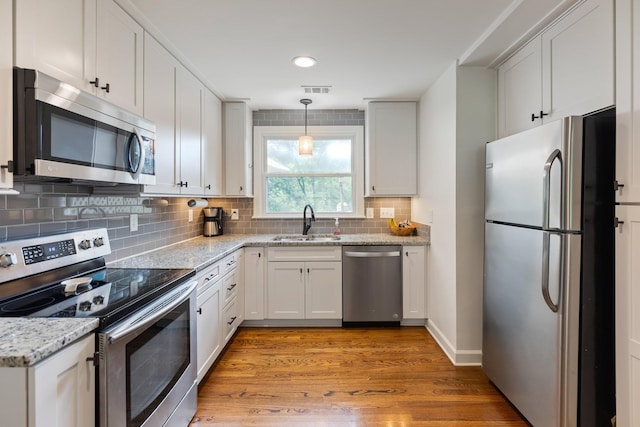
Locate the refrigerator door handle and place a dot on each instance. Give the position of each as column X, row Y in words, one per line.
column 546, row 186
column 546, row 242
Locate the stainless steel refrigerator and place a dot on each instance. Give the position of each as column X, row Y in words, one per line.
column 548, row 302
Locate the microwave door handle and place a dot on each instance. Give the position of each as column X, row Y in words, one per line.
column 135, row 171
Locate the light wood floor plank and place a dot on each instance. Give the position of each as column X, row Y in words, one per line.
column 346, row 377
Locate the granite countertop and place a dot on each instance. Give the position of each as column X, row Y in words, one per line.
column 26, row 341
column 200, row 252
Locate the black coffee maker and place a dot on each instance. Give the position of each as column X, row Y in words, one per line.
column 212, row 221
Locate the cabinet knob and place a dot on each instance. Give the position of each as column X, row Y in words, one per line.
column 106, row 88
column 95, row 82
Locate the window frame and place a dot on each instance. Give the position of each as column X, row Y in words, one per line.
column 263, row 133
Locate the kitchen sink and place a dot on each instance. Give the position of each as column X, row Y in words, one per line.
column 308, row 238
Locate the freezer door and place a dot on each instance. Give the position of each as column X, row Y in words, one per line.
column 521, row 166
column 522, row 335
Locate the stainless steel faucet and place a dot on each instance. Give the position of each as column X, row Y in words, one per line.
column 306, row 222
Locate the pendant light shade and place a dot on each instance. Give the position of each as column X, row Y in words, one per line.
column 305, row 142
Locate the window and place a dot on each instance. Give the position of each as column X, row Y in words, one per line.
column 331, row 179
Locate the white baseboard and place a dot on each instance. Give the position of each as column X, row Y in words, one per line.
column 457, row 357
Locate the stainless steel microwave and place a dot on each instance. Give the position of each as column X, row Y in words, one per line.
column 64, row 133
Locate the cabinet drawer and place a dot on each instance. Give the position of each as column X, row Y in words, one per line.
column 208, row 277
column 230, row 319
column 298, row 253
column 230, row 286
column 230, row 262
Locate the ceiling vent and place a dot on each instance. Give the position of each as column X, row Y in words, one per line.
column 316, row 89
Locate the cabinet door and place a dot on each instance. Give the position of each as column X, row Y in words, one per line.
column 254, row 283
column 160, row 107
column 6, row 93
column 62, row 388
column 54, row 37
column 628, row 316
column 238, row 149
column 119, row 56
column 520, row 90
column 189, row 98
column 413, row 282
column 212, row 144
column 285, row 290
column 209, row 328
column 323, row 290
column 578, row 61
column 628, row 100
column 391, row 149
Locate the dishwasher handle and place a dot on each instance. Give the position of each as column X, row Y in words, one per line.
column 372, row 254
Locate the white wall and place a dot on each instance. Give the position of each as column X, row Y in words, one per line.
column 456, row 119
column 436, row 183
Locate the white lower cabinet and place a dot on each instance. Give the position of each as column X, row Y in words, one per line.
column 56, row 392
column 413, row 282
column 232, row 304
column 304, row 283
column 209, row 320
column 254, row 283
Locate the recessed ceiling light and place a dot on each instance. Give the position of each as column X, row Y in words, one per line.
column 304, row 61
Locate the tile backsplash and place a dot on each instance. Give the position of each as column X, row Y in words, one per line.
column 45, row 208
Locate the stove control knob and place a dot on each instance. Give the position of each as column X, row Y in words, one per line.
column 98, row 300
column 85, row 244
column 8, row 259
column 85, row 306
column 98, row 241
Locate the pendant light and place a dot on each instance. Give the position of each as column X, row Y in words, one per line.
column 305, row 143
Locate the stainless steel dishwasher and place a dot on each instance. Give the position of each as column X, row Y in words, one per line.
column 371, row 285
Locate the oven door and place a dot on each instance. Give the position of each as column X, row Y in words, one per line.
column 147, row 364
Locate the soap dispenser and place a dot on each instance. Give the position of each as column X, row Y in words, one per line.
column 336, row 229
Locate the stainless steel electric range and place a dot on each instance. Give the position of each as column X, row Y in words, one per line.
column 145, row 343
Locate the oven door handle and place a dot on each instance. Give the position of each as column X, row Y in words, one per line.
column 150, row 315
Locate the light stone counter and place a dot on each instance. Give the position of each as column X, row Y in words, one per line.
column 26, row 341
column 200, row 252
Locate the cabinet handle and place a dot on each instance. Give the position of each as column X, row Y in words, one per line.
column 373, row 188
column 233, row 319
column 183, row 184
column 241, row 188
column 199, row 310
column 617, row 186
column 542, row 114
column 259, row 254
column 95, row 82
column 406, row 253
column 106, row 88
column 8, row 166
column 231, row 287
column 208, row 187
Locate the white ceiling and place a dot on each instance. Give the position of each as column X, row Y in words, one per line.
column 366, row 49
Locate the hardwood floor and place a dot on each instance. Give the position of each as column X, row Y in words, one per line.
column 346, row 377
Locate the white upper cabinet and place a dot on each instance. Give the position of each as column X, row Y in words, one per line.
column 160, row 107
column 520, row 89
column 567, row 70
column 212, row 144
column 391, row 149
column 6, row 91
column 578, row 61
column 189, row 92
column 91, row 44
column 238, row 150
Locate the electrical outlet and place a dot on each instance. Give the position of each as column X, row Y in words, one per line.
column 133, row 222
column 387, row 212
column 190, row 215
column 369, row 212
column 235, row 214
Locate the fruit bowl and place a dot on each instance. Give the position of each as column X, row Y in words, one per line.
column 403, row 229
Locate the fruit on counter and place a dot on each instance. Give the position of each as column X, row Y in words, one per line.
column 404, row 224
